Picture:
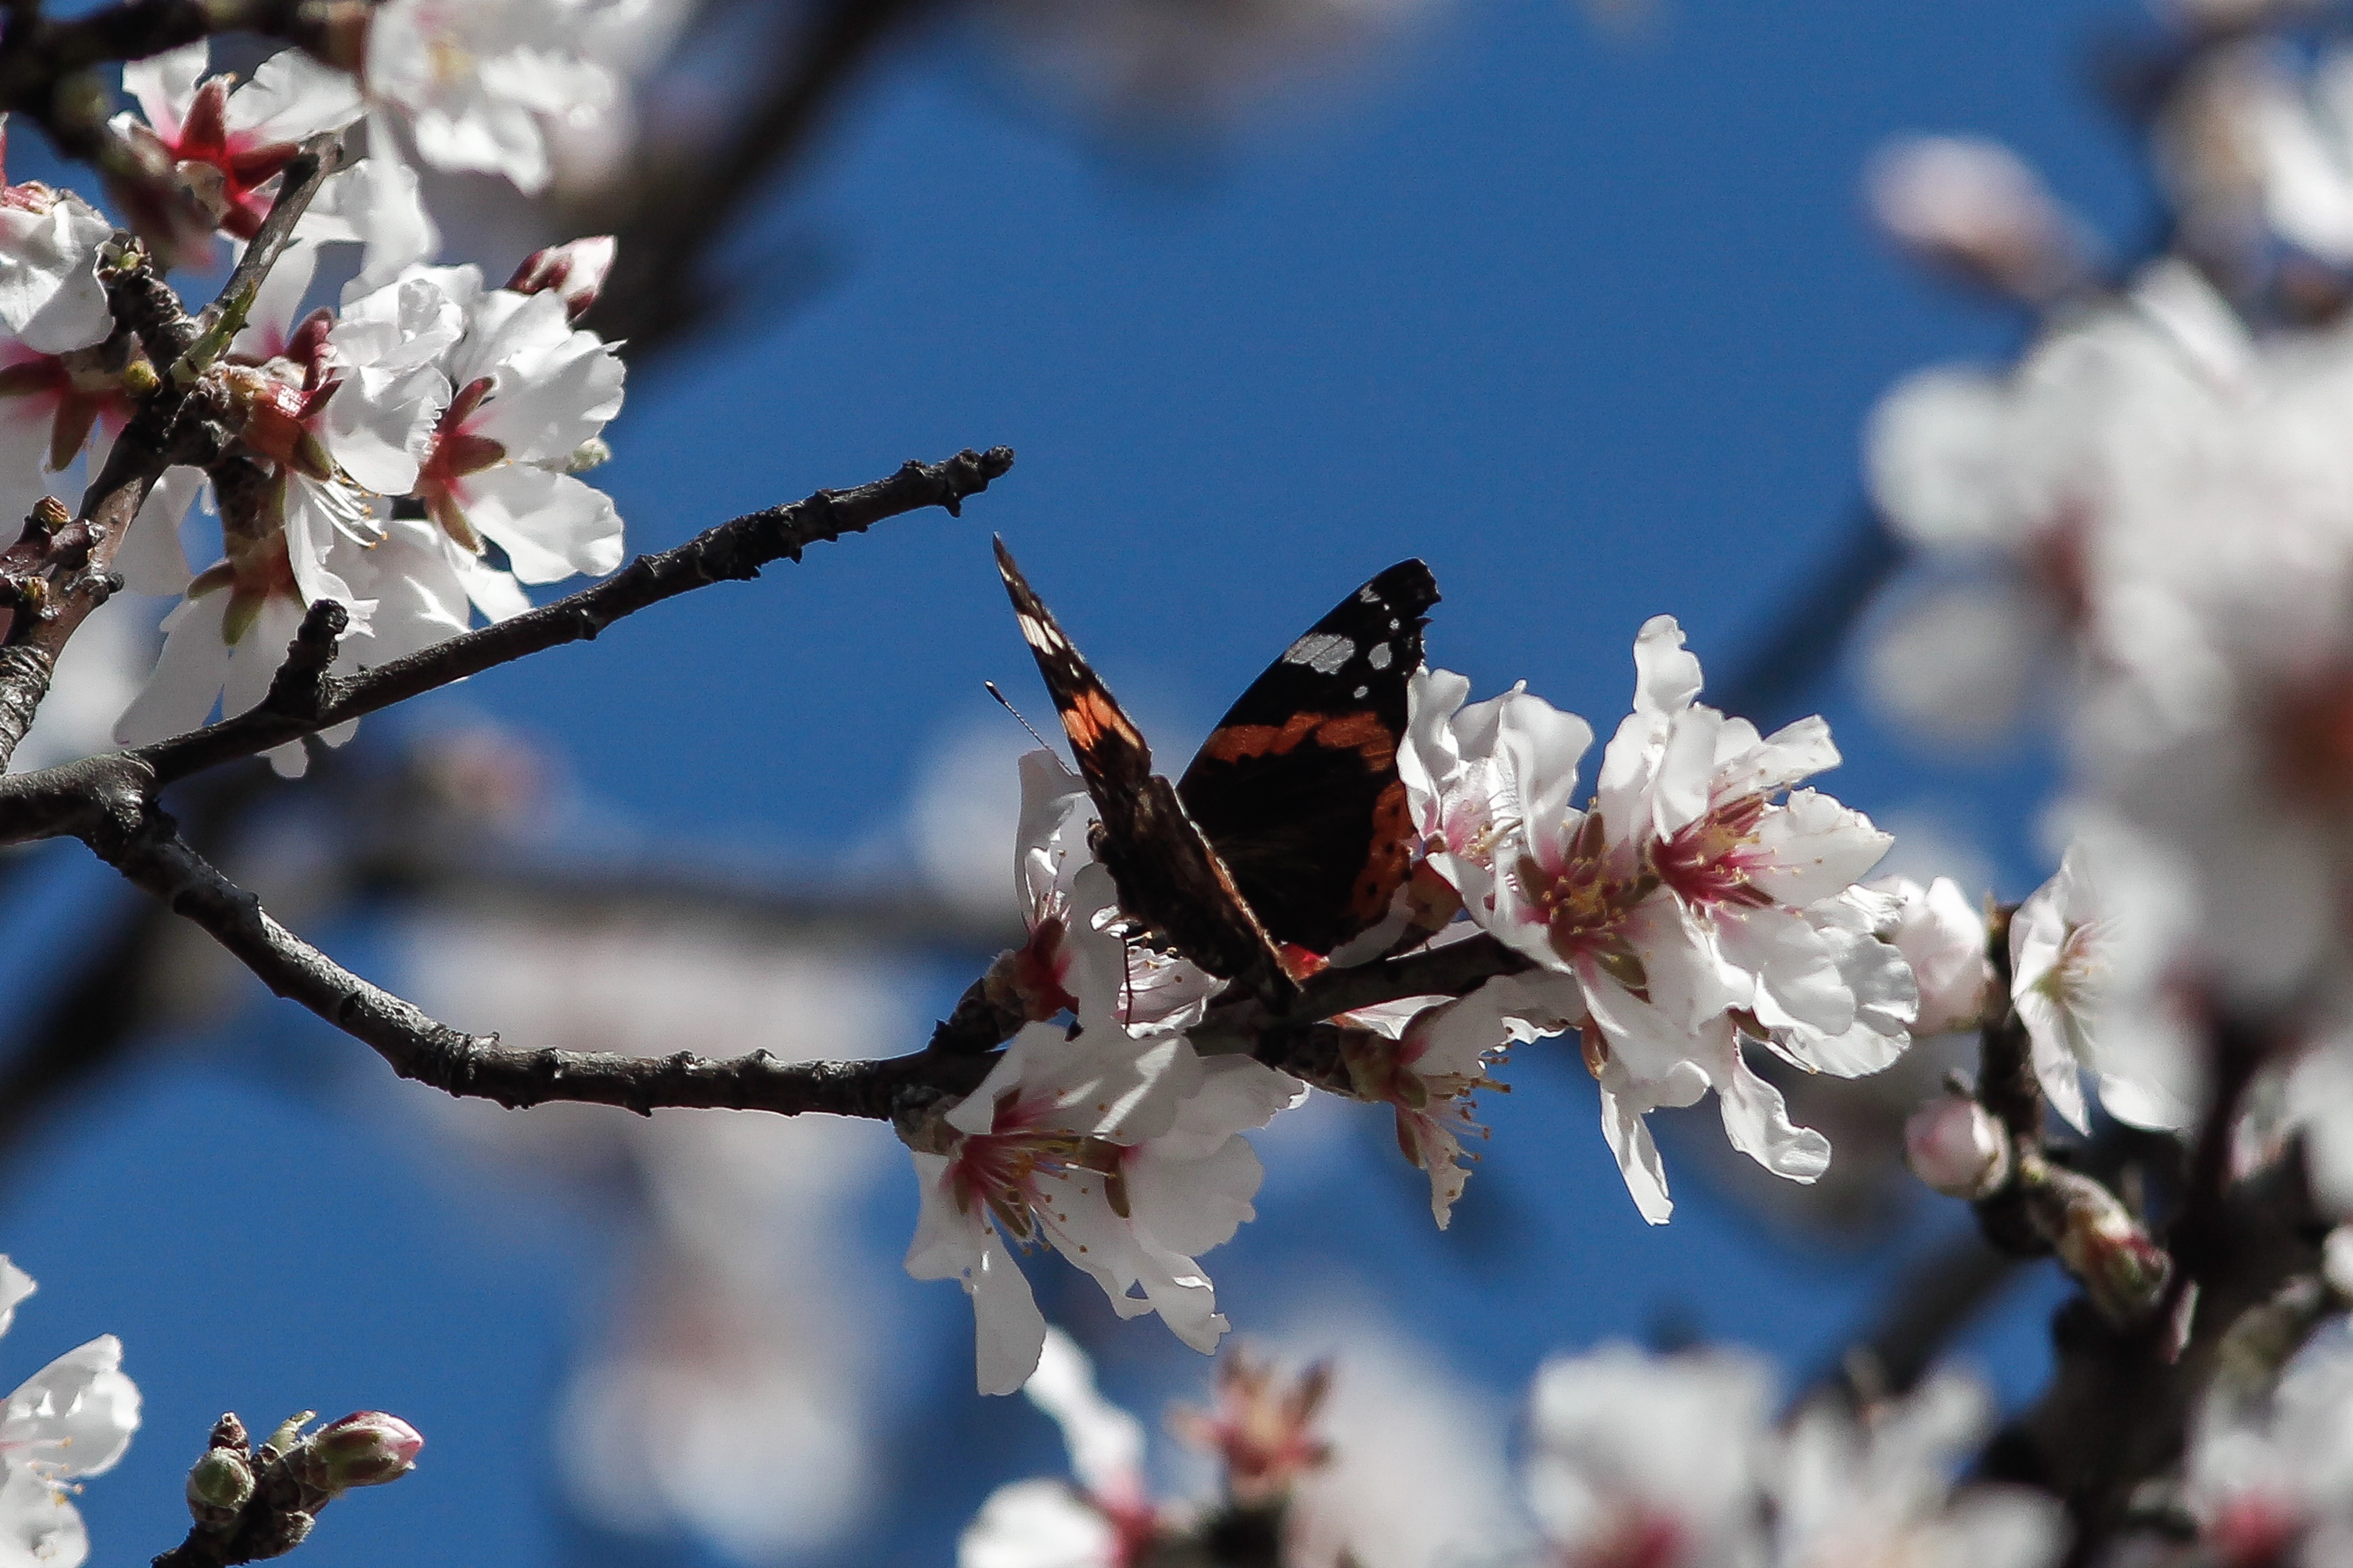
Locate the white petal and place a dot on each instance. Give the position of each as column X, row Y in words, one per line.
column 549, row 525
column 1638, row 1157
column 38, row 1527
column 165, row 85
column 291, row 98
column 179, row 695
column 76, row 1413
column 1038, row 1524
column 1106, row 1443
column 15, row 1286
column 150, row 558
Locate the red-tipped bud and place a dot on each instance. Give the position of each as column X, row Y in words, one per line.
column 575, row 271
column 2103, row 1245
column 1955, row 1145
column 364, row 1449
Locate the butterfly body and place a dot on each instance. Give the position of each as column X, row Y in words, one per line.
column 1291, row 826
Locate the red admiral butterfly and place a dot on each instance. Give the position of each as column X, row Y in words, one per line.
column 1290, row 826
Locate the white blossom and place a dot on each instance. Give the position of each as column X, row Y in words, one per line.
column 486, row 85
column 74, row 1417
column 1121, row 1152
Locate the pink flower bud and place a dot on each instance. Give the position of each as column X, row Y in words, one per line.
column 575, row 271
column 1955, row 1145
column 364, row 1449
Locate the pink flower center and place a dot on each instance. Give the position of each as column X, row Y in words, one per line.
column 1586, row 902
column 1640, row 1539
column 2253, row 1531
column 1009, row 1169
column 1713, row 860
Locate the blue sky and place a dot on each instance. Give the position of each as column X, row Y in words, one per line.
column 1589, row 326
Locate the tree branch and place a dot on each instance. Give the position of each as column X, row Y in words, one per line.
column 735, row 551
column 150, row 851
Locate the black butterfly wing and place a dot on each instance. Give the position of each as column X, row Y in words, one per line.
column 1167, row 874
column 1297, row 788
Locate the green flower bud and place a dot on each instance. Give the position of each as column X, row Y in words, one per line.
column 220, row 1484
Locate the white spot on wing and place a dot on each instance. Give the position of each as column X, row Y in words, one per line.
column 1323, row 652
column 1365, row 595
column 1380, row 656
column 1363, row 692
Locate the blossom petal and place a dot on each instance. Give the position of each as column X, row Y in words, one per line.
column 551, row 525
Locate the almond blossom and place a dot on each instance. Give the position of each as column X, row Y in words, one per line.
column 74, row 1417
column 1687, row 906
column 2065, row 942
column 1426, row 1060
column 1635, row 1458
column 228, row 141
column 1066, row 894
column 50, row 298
column 57, row 386
column 1120, row 1151
column 1105, row 1517
column 528, row 394
column 483, row 84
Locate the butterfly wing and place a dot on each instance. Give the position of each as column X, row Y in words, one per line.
column 1297, row 788
column 1167, row 874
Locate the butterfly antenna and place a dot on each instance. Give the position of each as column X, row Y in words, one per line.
column 1024, row 723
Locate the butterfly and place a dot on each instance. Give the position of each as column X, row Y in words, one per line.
column 1290, row 826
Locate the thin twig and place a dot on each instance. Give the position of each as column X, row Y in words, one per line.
column 298, row 184
column 735, row 551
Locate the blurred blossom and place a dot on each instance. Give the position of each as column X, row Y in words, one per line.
column 732, row 1392
column 1380, row 1457
column 73, row 1417
column 1671, row 1459
column 488, row 85
column 2269, row 1474
column 1638, row 1458
column 1943, row 937
column 1879, row 1487
column 1416, row 1473
column 967, row 805
column 2159, row 502
column 1973, row 209
column 97, row 675
column 1104, row 1516
column 1178, row 59
column 2080, row 980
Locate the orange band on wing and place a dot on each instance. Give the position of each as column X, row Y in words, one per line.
column 1360, row 732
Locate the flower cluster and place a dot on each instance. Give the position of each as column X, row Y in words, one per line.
column 1641, row 1458
column 468, row 403
column 2142, row 530
column 1699, row 902
column 1671, row 1461
column 410, row 454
